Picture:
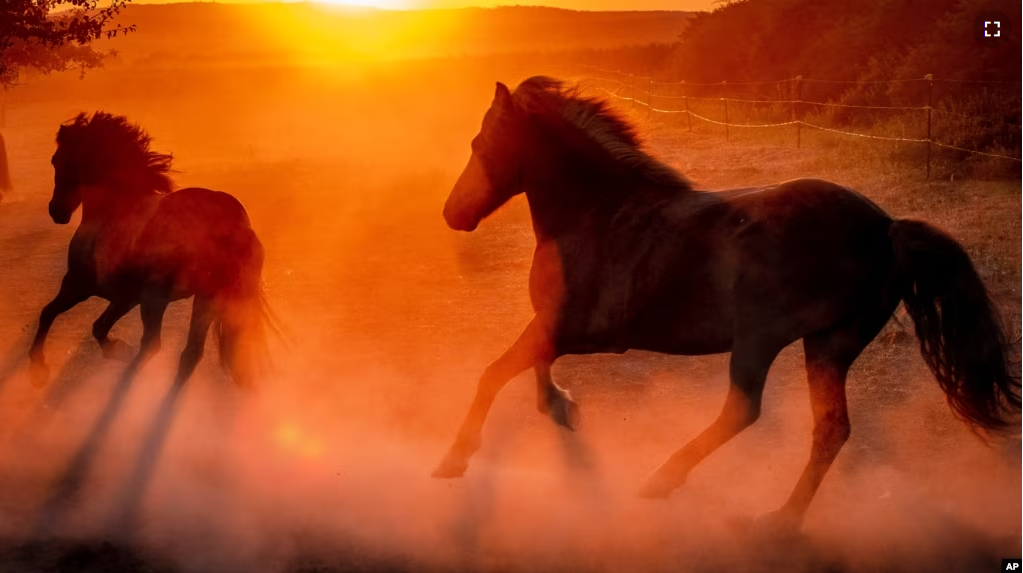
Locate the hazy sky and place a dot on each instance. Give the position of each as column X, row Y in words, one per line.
column 572, row 4
column 587, row 4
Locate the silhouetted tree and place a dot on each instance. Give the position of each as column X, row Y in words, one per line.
column 53, row 35
column 49, row 36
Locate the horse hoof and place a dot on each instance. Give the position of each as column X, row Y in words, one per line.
column 565, row 413
column 117, row 349
column 39, row 373
column 657, row 488
column 450, row 469
column 777, row 524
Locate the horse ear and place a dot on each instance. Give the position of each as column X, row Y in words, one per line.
column 503, row 95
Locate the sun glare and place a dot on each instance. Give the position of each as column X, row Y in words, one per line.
column 384, row 4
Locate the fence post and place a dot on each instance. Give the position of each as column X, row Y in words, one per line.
column 650, row 97
column 724, row 92
column 726, row 117
column 3, row 108
column 930, row 90
column 685, row 98
column 795, row 112
column 632, row 91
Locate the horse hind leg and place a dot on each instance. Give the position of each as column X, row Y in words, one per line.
column 113, row 348
column 152, row 308
column 553, row 400
column 829, row 355
column 203, row 315
column 748, row 372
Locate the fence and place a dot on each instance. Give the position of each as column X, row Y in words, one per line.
column 668, row 98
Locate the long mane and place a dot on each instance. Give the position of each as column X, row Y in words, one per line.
column 597, row 120
column 118, row 149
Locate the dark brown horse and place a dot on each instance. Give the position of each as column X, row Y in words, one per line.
column 140, row 244
column 630, row 256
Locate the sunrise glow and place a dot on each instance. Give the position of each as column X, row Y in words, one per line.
column 381, row 4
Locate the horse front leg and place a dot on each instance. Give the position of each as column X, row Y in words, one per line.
column 553, row 400
column 532, row 347
column 72, row 291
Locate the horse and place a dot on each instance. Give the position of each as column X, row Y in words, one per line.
column 140, row 244
column 630, row 256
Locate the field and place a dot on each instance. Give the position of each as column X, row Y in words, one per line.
column 389, row 318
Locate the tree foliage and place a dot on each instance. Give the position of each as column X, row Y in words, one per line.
column 754, row 40
column 53, row 35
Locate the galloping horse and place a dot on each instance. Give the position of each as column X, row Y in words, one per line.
column 630, row 256
column 140, row 244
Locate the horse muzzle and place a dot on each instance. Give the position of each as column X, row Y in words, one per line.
column 59, row 216
column 458, row 222
column 466, row 205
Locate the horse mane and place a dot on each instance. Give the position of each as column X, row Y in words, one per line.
column 122, row 147
column 597, row 120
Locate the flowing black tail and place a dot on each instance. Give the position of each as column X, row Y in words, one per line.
column 961, row 336
column 243, row 315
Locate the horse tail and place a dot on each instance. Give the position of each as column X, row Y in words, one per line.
column 961, row 336
column 243, row 315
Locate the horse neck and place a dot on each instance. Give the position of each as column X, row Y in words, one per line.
column 112, row 202
column 568, row 184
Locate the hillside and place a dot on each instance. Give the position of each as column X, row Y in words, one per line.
column 753, row 40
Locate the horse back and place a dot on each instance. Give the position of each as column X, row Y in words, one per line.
column 196, row 240
column 681, row 274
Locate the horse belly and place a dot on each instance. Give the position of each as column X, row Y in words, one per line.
column 679, row 303
column 692, row 321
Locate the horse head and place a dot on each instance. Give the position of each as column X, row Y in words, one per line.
column 69, row 172
column 494, row 173
column 103, row 154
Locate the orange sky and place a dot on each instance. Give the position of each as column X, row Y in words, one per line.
column 583, row 4
column 571, row 4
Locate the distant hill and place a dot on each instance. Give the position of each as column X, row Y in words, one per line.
column 752, row 40
column 210, row 32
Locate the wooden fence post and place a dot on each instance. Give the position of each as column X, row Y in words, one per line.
column 689, row 116
column 650, row 97
column 930, row 90
column 726, row 117
column 795, row 112
column 724, row 93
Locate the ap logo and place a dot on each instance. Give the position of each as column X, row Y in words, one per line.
column 1012, row 565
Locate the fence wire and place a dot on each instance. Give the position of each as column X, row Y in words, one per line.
column 814, row 80
column 633, row 90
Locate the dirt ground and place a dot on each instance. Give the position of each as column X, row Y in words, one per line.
column 390, row 317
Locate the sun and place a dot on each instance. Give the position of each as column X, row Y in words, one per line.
column 383, row 4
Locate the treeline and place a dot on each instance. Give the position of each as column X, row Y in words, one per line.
column 751, row 40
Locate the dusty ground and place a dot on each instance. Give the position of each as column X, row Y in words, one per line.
column 389, row 319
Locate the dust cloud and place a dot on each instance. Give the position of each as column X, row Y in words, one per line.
column 388, row 320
